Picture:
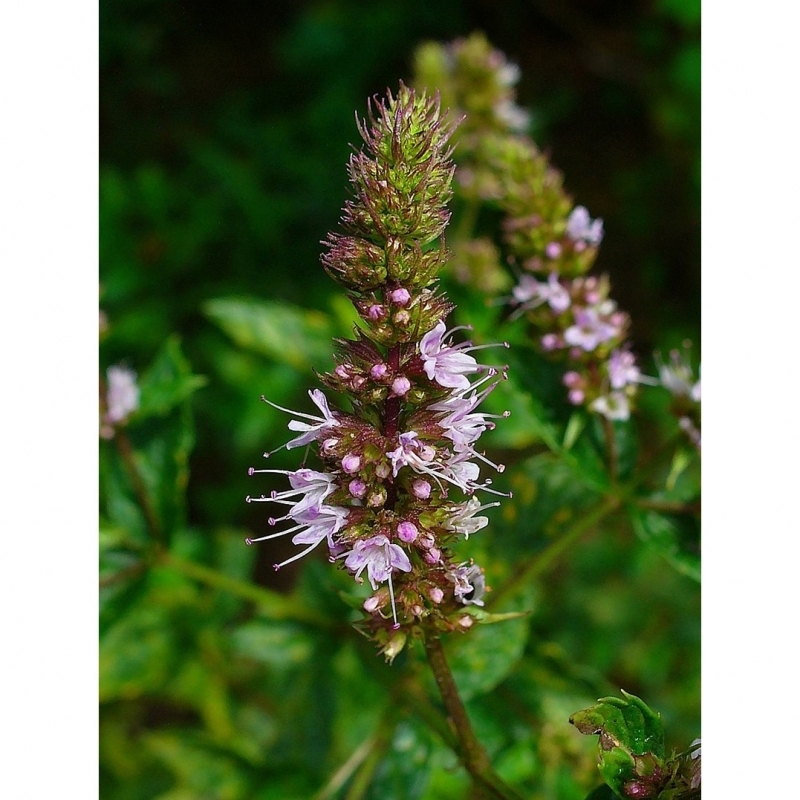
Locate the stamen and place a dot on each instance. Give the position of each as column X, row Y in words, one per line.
column 276, row 567
column 391, row 594
column 482, row 457
column 289, row 411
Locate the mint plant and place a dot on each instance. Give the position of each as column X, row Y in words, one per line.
column 485, row 515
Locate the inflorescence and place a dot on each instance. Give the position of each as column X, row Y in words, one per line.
column 401, row 469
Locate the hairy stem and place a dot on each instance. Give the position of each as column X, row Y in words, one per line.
column 470, row 751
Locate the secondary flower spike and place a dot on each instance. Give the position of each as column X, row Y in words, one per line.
column 400, row 464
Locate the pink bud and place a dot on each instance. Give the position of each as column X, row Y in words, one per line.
column 329, row 444
column 426, row 541
column 400, row 296
column 371, row 604
column 351, row 463
column 407, row 531
column 357, row 488
column 379, row 371
column 576, row 397
column 571, row 379
column 553, row 250
column 383, row 470
column 421, row 489
column 401, row 385
column 466, row 621
column 341, row 371
column 433, row 555
column 550, row 341
column 436, row 595
column 402, row 317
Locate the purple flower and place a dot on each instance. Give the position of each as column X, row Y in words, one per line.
column 590, row 329
column 379, row 557
column 622, row 369
column 311, row 486
column 122, row 398
column 314, row 525
column 440, row 465
column 581, row 227
column 447, row 365
column 530, row 293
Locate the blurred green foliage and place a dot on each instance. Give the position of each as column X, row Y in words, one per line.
column 225, row 129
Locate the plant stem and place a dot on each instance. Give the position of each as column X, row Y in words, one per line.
column 470, row 751
column 613, row 451
column 668, row 506
column 275, row 605
column 125, row 450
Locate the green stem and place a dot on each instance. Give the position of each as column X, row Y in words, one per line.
column 275, row 605
column 470, row 751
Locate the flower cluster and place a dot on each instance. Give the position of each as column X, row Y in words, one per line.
column 551, row 241
column 402, row 466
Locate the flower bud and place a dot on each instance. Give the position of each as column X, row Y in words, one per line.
column 400, row 297
column 421, row 489
column 436, row 595
column 401, row 385
column 357, row 488
column 407, row 531
column 379, row 371
column 351, row 463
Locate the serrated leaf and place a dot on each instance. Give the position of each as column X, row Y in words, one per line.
column 631, row 744
column 288, row 334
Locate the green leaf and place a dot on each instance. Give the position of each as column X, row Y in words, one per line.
column 631, row 745
column 288, row 334
column 167, row 383
column 675, row 536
